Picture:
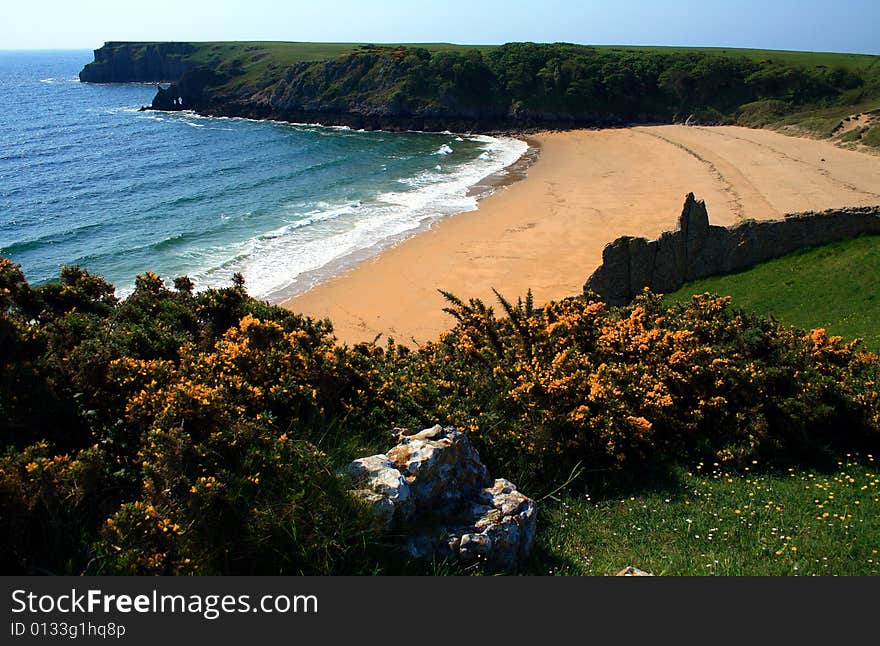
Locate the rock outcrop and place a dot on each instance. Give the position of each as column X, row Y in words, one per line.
column 697, row 249
column 123, row 62
column 383, row 488
column 433, row 489
column 166, row 100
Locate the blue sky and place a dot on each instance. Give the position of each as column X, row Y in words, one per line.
column 818, row 25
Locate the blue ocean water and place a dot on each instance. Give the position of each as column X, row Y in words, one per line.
column 87, row 179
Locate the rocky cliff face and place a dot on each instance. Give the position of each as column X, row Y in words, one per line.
column 696, row 249
column 119, row 62
column 382, row 88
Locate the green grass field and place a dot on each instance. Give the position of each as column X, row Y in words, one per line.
column 809, row 59
column 255, row 55
column 719, row 522
column 836, row 286
column 295, row 52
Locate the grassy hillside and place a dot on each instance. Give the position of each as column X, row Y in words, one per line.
column 519, row 84
column 806, row 59
column 257, row 56
column 836, row 287
column 288, row 53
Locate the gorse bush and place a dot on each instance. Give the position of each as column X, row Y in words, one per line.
column 170, row 432
column 615, row 388
column 174, row 432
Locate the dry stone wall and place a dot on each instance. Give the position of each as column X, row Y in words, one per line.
column 697, row 249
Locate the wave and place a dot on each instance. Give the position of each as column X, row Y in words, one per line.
column 334, row 237
column 56, row 237
column 60, row 79
column 323, row 214
column 119, row 109
column 286, row 204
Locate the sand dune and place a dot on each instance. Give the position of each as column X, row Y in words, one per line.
column 588, row 187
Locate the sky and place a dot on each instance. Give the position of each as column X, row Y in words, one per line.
column 814, row 25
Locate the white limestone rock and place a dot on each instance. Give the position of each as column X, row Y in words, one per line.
column 434, row 486
column 379, row 484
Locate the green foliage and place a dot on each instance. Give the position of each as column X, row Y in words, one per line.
column 853, row 135
column 761, row 113
column 805, row 289
column 537, row 83
column 50, row 505
column 615, row 388
column 110, row 407
column 182, row 433
column 239, row 499
column 818, row 126
column 872, row 137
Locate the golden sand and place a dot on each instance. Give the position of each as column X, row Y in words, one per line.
column 587, row 188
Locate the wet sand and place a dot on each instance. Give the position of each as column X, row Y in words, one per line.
column 587, row 188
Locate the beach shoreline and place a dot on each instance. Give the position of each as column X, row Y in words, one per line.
column 462, row 190
column 544, row 228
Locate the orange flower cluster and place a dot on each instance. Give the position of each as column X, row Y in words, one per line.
column 580, row 382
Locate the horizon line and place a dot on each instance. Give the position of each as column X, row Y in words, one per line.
column 368, row 42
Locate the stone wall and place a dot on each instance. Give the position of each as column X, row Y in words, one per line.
column 697, row 249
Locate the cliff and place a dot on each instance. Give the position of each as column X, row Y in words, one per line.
column 516, row 86
column 392, row 88
column 697, row 249
column 122, row 62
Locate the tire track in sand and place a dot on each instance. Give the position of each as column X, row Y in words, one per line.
column 784, row 155
column 734, row 199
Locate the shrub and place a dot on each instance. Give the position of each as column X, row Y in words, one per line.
column 181, row 433
column 616, row 388
column 761, row 113
column 241, row 499
column 872, row 137
column 95, row 387
column 51, row 505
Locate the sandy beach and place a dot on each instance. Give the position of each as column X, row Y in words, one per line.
column 587, row 188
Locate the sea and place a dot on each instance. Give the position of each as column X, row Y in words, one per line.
column 88, row 179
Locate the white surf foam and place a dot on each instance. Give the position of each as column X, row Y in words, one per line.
column 60, row 79
column 333, row 237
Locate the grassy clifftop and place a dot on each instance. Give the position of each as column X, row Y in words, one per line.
column 123, row 62
column 804, row 289
column 258, row 55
